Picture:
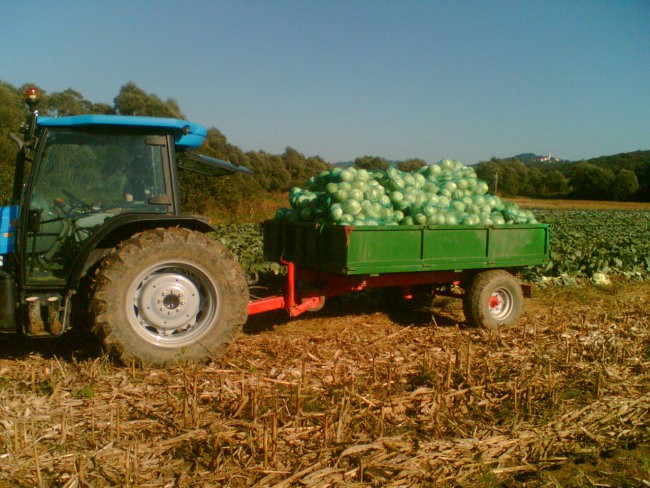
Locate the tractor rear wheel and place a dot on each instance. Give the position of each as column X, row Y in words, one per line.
column 168, row 296
column 493, row 299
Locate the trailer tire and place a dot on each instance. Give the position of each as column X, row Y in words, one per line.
column 168, row 296
column 493, row 299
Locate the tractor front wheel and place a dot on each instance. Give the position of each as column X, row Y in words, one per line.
column 168, row 296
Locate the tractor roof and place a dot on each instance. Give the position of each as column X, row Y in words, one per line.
column 187, row 134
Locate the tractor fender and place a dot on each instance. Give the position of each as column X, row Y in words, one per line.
column 122, row 227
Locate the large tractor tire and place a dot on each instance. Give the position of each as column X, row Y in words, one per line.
column 493, row 299
column 168, row 296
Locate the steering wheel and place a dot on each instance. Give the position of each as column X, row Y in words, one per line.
column 77, row 205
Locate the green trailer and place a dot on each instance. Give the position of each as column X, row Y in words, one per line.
column 404, row 248
column 330, row 260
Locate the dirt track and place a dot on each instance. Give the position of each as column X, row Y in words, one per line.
column 355, row 395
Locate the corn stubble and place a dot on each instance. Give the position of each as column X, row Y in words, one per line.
column 347, row 397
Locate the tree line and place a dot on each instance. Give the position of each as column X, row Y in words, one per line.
column 621, row 177
column 618, row 177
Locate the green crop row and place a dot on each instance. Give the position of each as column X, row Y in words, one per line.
column 589, row 242
column 584, row 243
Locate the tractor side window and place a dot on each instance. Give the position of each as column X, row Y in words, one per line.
column 83, row 179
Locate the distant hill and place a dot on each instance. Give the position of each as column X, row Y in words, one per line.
column 630, row 160
column 347, row 164
column 532, row 157
column 635, row 161
column 525, row 157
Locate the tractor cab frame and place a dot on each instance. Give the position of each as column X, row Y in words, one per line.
column 83, row 186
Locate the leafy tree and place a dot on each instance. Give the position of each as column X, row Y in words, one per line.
column 12, row 115
column 67, row 102
column 300, row 168
column 271, row 171
column 371, row 162
column 511, row 174
column 643, row 176
column 492, row 173
column 293, row 162
column 71, row 102
column 556, row 184
column 535, row 184
column 591, row 182
column 412, row 164
column 625, row 185
column 132, row 100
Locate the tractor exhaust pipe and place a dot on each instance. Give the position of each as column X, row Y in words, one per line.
column 35, row 324
column 44, row 315
column 53, row 321
column 7, row 303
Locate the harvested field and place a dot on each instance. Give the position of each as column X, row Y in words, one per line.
column 355, row 395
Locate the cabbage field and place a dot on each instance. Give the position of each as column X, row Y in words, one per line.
column 584, row 244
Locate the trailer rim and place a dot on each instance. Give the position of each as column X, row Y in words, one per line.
column 501, row 303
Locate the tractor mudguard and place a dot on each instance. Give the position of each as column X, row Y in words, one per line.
column 122, row 227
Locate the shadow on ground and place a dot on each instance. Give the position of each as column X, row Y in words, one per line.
column 74, row 345
column 441, row 312
column 81, row 344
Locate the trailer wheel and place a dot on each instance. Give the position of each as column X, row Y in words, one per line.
column 493, row 299
column 168, row 296
column 319, row 305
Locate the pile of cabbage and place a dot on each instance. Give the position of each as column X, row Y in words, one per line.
column 445, row 193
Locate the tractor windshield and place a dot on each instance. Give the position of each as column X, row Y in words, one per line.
column 84, row 178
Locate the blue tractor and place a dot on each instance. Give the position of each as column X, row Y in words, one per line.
column 96, row 225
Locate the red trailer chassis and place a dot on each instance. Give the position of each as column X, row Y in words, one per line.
column 315, row 286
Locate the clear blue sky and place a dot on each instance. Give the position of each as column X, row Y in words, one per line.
column 461, row 79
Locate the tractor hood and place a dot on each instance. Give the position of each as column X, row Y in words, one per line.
column 186, row 134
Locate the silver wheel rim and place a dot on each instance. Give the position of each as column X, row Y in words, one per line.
column 172, row 304
column 500, row 303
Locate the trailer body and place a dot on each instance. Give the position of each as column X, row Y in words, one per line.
column 475, row 263
column 359, row 250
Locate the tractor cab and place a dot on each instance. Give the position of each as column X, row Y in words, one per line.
column 88, row 170
column 83, row 184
